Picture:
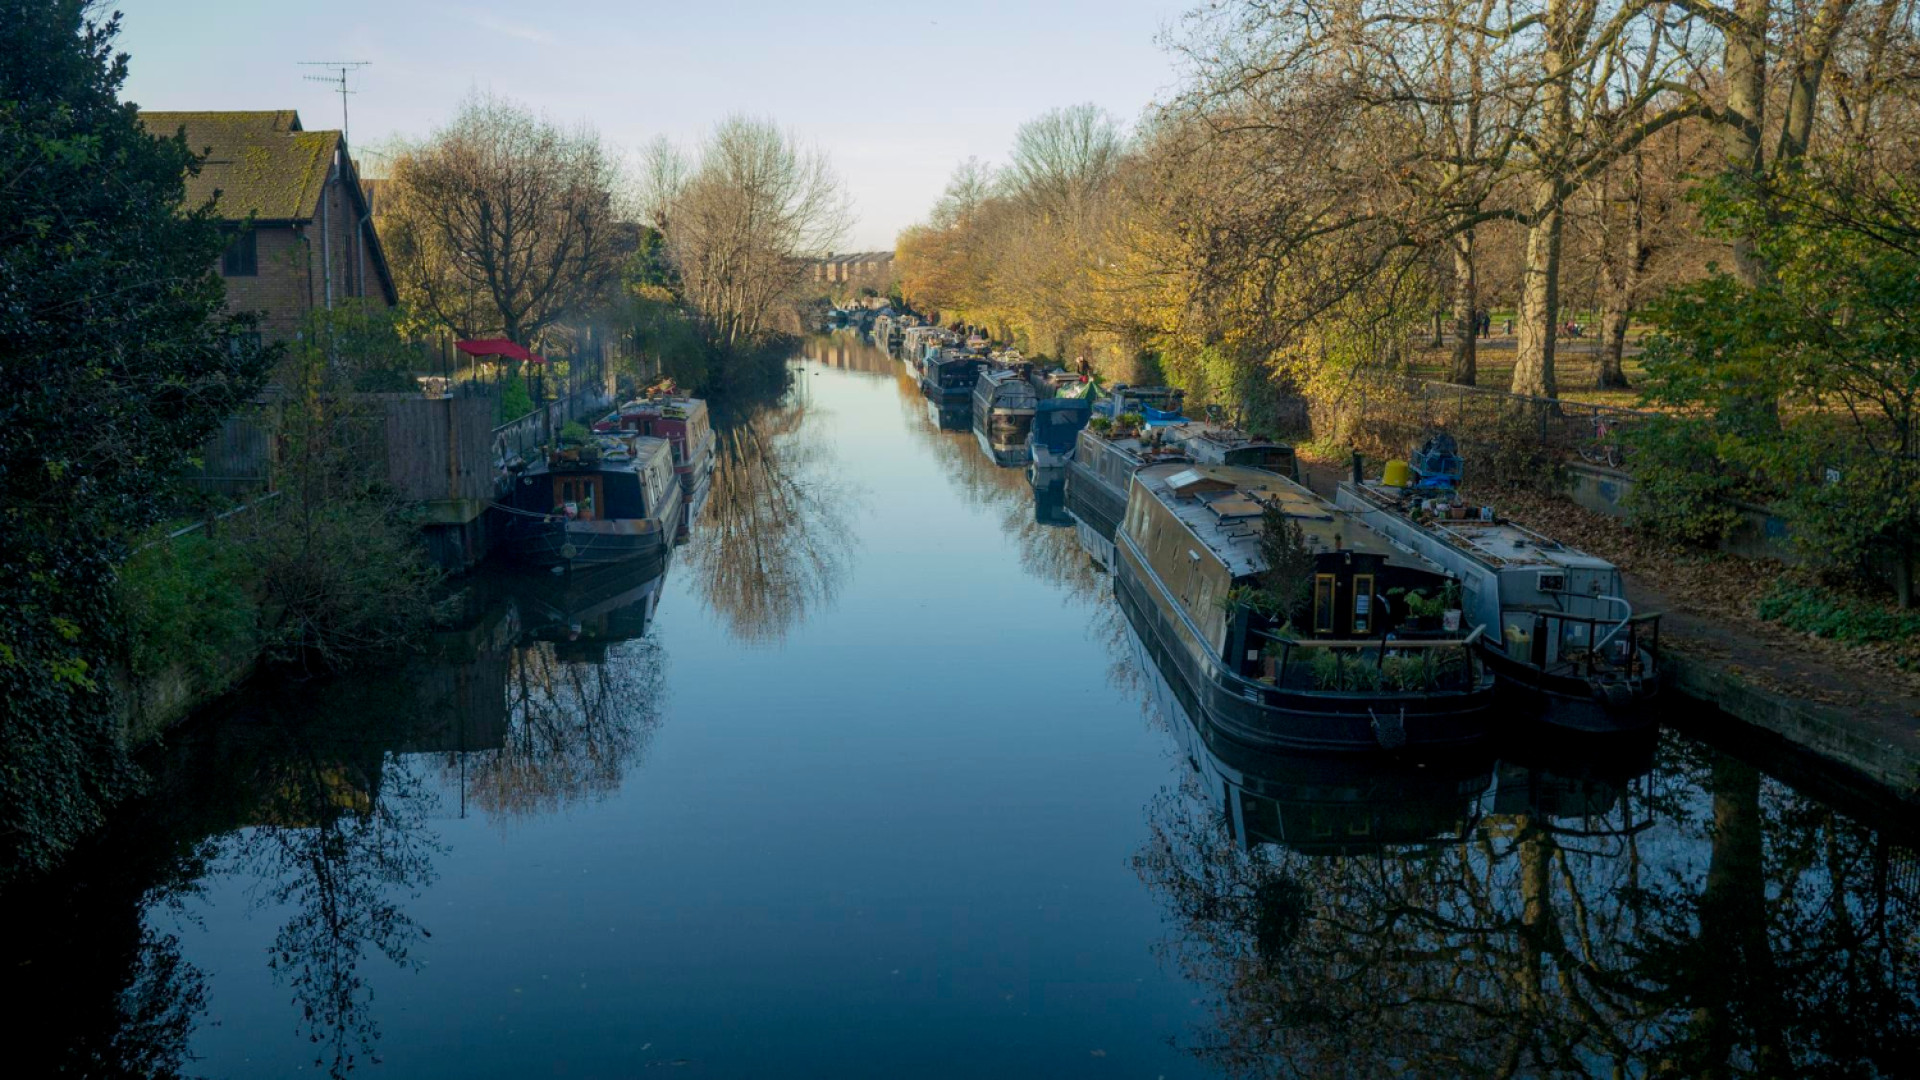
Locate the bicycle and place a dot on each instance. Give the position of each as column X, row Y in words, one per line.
column 1603, row 446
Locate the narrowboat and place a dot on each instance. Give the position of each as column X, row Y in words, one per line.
column 610, row 501
column 920, row 342
column 1347, row 670
column 1065, row 405
column 1003, row 408
column 1158, row 405
column 686, row 425
column 1561, row 632
column 1322, row 804
column 949, row 378
column 1218, row 444
column 1099, row 474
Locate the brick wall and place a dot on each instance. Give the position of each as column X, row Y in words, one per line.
column 292, row 261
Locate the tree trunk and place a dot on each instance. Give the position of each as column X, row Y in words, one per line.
column 1618, row 299
column 1539, row 302
column 1466, row 303
column 1746, row 76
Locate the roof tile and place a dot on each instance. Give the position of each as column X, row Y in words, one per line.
column 262, row 164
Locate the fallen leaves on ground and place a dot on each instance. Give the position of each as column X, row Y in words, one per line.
column 1722, row 592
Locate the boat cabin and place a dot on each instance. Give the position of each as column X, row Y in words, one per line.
column 1217, row 444
column 1157, row 404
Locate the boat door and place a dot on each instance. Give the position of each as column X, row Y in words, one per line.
column 582, row 491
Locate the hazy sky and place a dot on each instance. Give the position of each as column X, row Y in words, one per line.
column 897, row 92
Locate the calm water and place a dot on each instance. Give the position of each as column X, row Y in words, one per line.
column 873, row 782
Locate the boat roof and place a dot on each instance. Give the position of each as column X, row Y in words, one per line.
column 1499, row 545
column 1227, row 438
column 614, row 456
column 1224, row 507
column 662, row 402
column 1137, row 448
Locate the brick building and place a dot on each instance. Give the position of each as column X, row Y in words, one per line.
column 311, row 242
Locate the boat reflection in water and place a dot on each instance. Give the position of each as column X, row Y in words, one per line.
column 583, row 614
column 951, row 417
column 1664, row 910
column 1321, row 803
column 1050, row 497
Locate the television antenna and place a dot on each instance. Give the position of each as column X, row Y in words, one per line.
column 336, row 77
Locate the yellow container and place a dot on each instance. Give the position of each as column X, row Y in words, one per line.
column 1397, row 474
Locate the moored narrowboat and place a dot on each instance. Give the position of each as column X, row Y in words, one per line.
column 949, row 379
column 1064, row 407
column 1218, row 444
column 1003, row 408
column 1099, row 475
column 686, row 425
column 613, row 500
column 1323, row 804
column 1325, row 660
column 1157, row 405
column 1057, row 423
column 1561, row 631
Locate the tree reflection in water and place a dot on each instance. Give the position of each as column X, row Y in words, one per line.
column 339, row 840
column 573, row 727
column 1695, row 921
column 771, row 545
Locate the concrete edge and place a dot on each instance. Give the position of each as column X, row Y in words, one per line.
column 1826, row 732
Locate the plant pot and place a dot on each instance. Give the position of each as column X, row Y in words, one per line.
column 1423, row 622
column 1451, row 620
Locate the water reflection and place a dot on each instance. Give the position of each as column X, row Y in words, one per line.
column 1565, row 917
column 848, row 351
column 773, row 544
column 1666, row 909
column 321, row 804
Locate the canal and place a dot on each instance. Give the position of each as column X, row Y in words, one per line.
column 874, row 780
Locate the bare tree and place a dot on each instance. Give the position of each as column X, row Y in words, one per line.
column 1063, row 159
column 503, row 222
column 662, row 178
column 739, row 229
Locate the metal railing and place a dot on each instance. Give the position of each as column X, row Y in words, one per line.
column 1361, row 665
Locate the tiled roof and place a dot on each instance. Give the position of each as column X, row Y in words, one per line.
column 262, row 164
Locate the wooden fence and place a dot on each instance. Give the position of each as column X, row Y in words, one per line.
column 237, row 461
column 437, row 448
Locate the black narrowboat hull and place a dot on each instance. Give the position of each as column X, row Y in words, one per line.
column 1567, row 703
column 1267, row 716
column 947, row 397
column 1007, row 457
column 1093, row 500
column 555, row 541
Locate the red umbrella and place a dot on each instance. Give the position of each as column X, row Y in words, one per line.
column 498, row 347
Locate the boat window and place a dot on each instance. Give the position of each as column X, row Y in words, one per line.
column 1362, row 603
column 1323, row 603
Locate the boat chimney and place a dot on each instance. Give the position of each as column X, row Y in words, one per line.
column 1357, row 467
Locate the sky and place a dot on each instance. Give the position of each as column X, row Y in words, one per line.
column 896, row 93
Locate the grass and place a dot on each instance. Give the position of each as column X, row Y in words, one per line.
column 1576, row 368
